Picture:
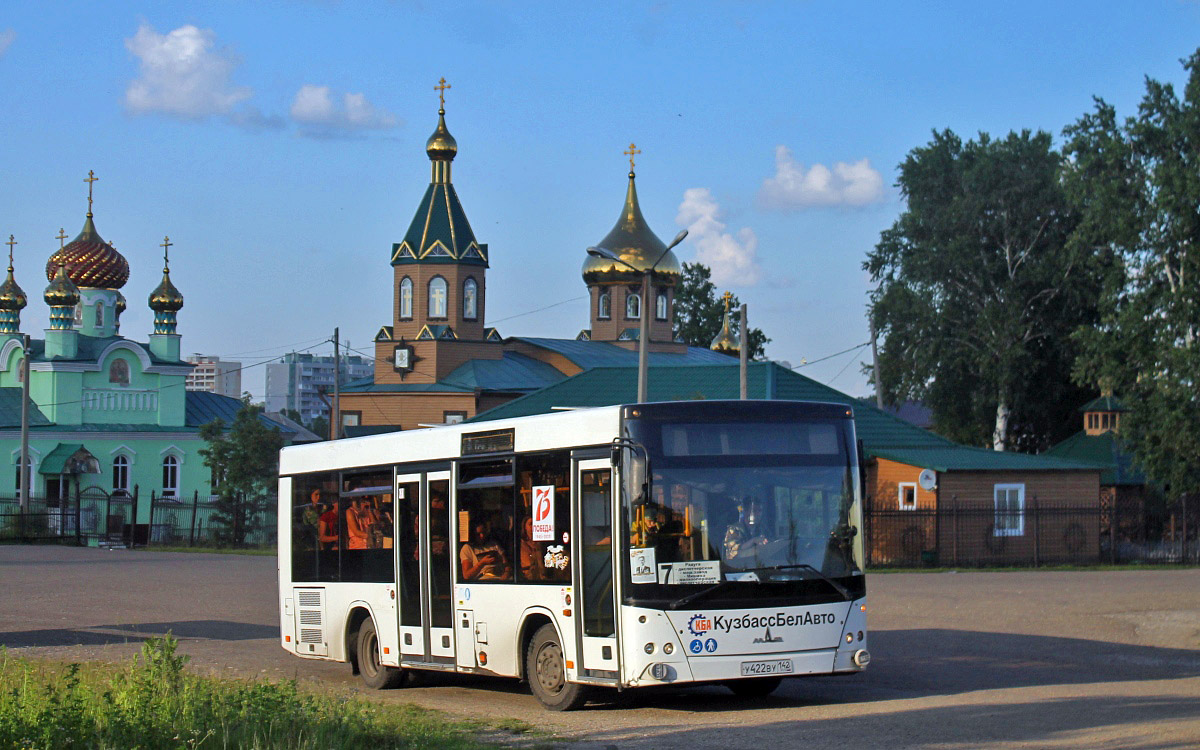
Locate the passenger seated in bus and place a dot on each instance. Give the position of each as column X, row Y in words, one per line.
column 482, row 558
column 743, row 538
column 358, row 524
column 327, row 533
column 530, row 554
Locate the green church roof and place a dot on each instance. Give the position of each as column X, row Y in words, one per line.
column 882, row 434
column 10, row 410
column 1103, row 403
column 1105, row 450
column 440, row 232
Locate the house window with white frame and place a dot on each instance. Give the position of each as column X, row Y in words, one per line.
column 908, row 496
column 120, row 474
column 170, row 476
column 1010, row 509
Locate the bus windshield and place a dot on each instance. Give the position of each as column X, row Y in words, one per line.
column 741, row 510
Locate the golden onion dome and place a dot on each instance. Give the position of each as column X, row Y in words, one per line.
column 12, row 297
column 93, row 263
column 726, row 342
column 441, row 145
column 632, row 241
column 61, row 292
column 166, row 298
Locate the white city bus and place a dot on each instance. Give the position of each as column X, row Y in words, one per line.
column 626, row 546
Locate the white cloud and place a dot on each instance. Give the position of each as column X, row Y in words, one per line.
column 733, row 258
column 6, row 39
column 795, row 187
column 180, row 74
column 315, row 106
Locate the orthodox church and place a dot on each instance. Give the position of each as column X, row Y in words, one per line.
column 439, row 362
column 104, row 410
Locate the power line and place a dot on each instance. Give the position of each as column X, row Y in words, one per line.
column 547, row 307
column 831, row 356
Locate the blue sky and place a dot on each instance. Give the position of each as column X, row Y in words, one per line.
column 281, row 145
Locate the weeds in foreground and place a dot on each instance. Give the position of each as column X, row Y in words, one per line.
column 153, row 703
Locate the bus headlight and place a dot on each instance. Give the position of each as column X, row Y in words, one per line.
column 849, row 637
column 668, row 648
column 649, row 648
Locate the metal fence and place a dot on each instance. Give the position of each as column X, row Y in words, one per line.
column 93, row 516
column 975, row 536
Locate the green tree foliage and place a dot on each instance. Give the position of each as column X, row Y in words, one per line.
column 1138, row 185
column 980, row 288
column 699, row 310
column 245, row 461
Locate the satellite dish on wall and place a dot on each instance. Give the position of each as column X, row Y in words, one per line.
column 927, row 479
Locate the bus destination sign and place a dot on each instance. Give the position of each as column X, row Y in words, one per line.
column 493, row 441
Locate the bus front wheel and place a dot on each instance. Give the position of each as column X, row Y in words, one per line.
column 754, row 687
column 373, row 673
column 546, row 670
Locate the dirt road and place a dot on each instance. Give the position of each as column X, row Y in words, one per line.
column 961, row 660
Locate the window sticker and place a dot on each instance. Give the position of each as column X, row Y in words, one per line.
column 691, row 572
column 543, row 513
column 555, row 557
column 641, row 565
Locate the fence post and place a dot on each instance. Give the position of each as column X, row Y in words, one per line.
column 192, row 528
column 954, row 507
column 1037, row 533
column 133, row 518
column 1114, row 522
column 78, row 517
column 1183, row 532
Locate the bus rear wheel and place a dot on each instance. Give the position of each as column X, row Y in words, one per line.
column 547, row 674
column 373, row 673
column 754, row 687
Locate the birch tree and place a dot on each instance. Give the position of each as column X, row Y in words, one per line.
column 979, row 289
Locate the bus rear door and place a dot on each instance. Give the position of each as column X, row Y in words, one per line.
column 596, row 625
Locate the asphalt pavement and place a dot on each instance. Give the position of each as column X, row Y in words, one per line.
column 1079, row 659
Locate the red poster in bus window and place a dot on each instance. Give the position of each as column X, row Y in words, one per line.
column 543, row 513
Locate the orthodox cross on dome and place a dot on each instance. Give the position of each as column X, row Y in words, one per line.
column 11, row 241
column 165, row 245
column 728, row 298
column 61, row 237
column 631, row 152
column 89, row 180
column 441, row 89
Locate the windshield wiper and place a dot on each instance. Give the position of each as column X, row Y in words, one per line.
column 845, row 592
column 697, row 594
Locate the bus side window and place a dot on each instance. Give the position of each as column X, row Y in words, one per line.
column 367, row 526
column 544, row 518
column 315, row 528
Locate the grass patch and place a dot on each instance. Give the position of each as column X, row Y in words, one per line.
column 153, row 703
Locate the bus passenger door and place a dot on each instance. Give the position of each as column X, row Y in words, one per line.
column 407, row 535
column 596, row 628
column 439, row 586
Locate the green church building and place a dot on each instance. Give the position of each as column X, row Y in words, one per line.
column 105, row 413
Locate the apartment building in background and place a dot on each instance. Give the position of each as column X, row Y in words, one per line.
column 300, row 380
column 214, row 375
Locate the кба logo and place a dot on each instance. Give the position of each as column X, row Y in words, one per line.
column 700, row 624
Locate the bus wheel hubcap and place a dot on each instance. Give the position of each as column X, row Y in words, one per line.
column 371, row 662
column 550, row 668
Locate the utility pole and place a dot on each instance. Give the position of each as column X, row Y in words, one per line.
column 335, row 426
column 744, row 354
column 875, row 363
column 25, row 424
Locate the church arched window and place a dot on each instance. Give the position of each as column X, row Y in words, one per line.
column 170, row 476
column 604, row 306
column 633, row 306
column 118, row 372
column 406, row 301
column 437, row 297
column 470, row 299
column 660, row 305
column 99, row 314
column 120, row 474
column 79, row 314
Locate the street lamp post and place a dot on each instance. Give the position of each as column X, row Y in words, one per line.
column 644, row 330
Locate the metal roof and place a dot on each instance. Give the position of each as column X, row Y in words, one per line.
column 514, row 372
column 1104, row 450
column 10, row 410
column 589, row 354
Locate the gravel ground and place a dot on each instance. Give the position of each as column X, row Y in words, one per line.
column 961, row 660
